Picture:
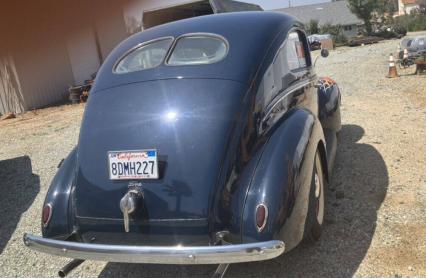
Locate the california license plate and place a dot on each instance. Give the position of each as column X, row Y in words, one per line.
column 132, row 165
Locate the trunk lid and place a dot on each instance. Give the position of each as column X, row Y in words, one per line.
column 188, row 122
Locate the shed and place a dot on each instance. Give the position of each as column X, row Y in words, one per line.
column 48, row 46
column 175, row 12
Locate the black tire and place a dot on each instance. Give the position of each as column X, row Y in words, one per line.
column 316, row 207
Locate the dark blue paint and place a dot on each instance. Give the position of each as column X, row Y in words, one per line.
column 223, row 145
column 60, row 225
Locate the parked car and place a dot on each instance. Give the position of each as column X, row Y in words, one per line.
column 204, row 141
column 315, row 41
column 415, row 46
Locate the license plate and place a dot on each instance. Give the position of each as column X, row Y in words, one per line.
column 132, row 165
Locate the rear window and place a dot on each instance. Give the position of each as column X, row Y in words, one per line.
column 197, row 50
column 147, row 56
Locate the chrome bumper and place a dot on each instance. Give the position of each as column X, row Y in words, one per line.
column 224, row 254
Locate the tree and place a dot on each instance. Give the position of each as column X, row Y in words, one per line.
column 313, row 26
column 336, row 31
column 364, row 9
column 383, row 15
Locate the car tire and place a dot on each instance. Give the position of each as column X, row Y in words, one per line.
column 316, row 207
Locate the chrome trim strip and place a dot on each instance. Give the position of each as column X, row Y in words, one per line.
column 196, row 34
column 223, row 254
column 139, row 45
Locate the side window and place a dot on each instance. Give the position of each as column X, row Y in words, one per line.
column 291, row 56
column 296, row 56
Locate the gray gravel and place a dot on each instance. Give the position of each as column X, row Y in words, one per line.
column 376, row 205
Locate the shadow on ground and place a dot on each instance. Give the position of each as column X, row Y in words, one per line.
column 18, row 189
column 357, row 190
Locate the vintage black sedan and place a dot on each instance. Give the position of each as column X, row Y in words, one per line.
column 204, row 141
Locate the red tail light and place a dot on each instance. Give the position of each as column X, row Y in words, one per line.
column 46, row 214
column 261, row 217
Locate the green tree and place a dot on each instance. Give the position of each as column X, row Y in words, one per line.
column 336, row 31
column 313, row 26
column 364, row 9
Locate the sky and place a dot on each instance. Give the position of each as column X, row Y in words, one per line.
column 276, row 4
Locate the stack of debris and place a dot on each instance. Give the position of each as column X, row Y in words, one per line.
column 7, row 116
column 80, row 93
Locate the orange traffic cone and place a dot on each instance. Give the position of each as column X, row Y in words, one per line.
column 392, row 68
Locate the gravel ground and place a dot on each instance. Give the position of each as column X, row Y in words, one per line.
column 375, row 223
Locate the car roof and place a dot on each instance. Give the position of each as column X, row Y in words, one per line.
column 249, row 35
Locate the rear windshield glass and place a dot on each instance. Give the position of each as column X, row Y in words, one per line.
column 196, row 50
column 145, row 57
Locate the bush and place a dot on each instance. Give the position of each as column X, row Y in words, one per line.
column 412, row 22
column 388, row 34
column 400, row 29
column 313, row 27
column 336, row 31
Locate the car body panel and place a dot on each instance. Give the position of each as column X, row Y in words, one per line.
column 58, row 196
column 188, row 170
column 230, row 135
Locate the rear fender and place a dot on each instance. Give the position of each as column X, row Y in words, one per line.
column 329, row 99
column 58, row 196
column 282, row 180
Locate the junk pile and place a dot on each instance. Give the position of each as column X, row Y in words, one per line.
column 360, row 41
column 324, row 41
column 7, row 116
column 80, row 93
column 412, row 51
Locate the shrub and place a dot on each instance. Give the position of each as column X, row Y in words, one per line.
column 336, row 31
column 412, row 22
column 313, row 27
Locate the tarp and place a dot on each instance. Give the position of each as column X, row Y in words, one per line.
column 163, row 15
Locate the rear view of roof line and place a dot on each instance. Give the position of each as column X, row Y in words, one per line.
column 249, row 35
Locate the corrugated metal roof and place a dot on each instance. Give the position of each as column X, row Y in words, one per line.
column 334, row 13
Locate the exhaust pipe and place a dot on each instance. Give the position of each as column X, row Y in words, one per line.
column 69, row 267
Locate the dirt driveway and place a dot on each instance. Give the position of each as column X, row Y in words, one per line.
column 376, row 206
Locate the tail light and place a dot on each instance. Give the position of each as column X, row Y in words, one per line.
column 261, row 217
column 46, row 214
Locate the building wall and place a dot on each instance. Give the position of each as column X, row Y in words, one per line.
column 45, row 73
column 110, row 30
column 83, row 54
column 406, row 8
column 409, row 8
column 350, row 31
column 57, row 45
column 11, row 99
